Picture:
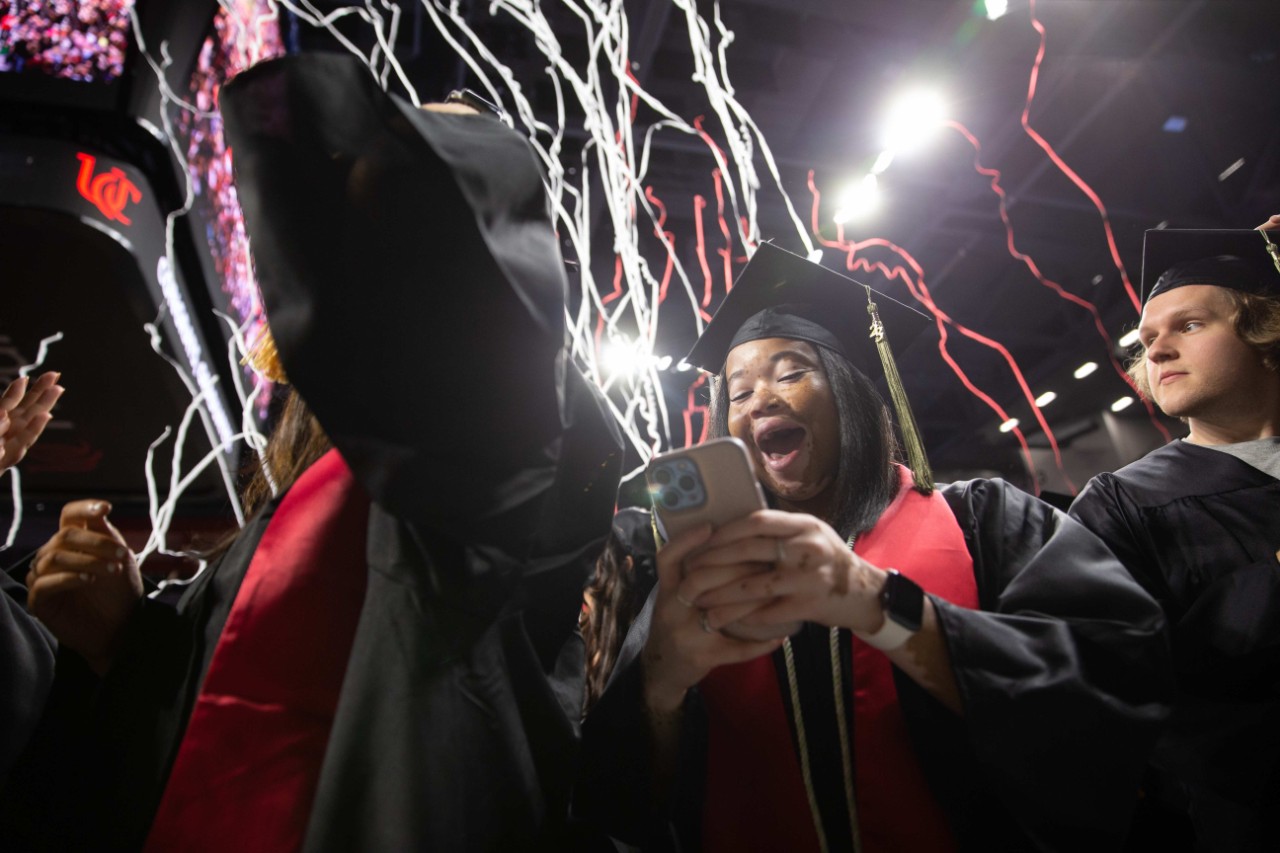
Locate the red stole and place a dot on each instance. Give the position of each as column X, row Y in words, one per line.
column 755, row 796
column 248, row 766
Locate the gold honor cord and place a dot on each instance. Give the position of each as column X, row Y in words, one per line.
column 842, row 724
column 803, row 740
column 917, row 459
column 846, row 752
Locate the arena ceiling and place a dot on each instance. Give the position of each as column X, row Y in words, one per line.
column 1162, row 112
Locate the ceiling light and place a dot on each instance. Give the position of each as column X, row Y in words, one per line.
column 683, row 366
column 815, row 257
column 882, row 162
column 1129, row 339
column 912, row 119
column 996, row 8
column 1175, row 124
column 1231, row 170
column 1046, row 398
column 621, row 358
column 1085, row 369
column 858, row 200
column 1008, row 425
column 1122, row 404
column 663, row 363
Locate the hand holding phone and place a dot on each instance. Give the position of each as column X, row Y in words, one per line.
column 709, row 484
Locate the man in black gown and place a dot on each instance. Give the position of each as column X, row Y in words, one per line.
column 1197, row 522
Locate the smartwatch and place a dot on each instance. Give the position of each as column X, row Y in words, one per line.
column 903, row 603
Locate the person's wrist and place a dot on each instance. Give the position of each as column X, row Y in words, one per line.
column 866, row 585
column 663, row 699
column 901, row 607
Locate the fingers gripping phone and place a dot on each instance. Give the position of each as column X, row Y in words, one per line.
column 711, row 483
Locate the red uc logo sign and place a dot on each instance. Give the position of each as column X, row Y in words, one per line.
column 109, row 191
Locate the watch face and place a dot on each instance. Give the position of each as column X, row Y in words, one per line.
column 904, row 601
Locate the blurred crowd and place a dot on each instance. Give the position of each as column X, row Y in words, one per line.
column 85, row 40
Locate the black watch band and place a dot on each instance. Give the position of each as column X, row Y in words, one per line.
column 903, row 603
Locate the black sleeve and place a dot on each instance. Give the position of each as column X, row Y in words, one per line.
column 1104, row 508
column 414, row 288
column 1064, row 672
column 27, row 652
column 614, row 783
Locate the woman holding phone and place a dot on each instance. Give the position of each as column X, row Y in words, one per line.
column 975, row 670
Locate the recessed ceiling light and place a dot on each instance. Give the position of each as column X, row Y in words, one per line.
column 1129, row 339
column 1008, row 425
column 1122, row 404
column 1046, row 398
column 1085, row 369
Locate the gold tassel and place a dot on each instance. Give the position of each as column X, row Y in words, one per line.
column 1272, row 248
column 917, row 460
column 264, row 358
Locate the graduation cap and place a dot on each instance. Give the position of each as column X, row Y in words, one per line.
column 783, row 295
column 1244, row 260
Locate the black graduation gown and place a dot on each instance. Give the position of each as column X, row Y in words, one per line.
column 26, row 670
column 416, row 296
column 1199, row 529
column 1063, row 674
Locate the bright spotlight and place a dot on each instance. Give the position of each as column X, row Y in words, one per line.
column 1046, row 398
column 621, row 358
column 882, row 162
column 683, row 366
column 1129, row 339
column 663, row 363
column 912, row 120
column 996, row 9
column 1122, row 404
column 858, row 201
column 1009, row 425
column 1085, row 369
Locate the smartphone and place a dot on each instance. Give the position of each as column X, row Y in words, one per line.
column 711, row 483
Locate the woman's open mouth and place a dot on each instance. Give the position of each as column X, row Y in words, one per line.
column 779, row 445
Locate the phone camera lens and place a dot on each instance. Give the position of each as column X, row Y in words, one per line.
column 670, row 497
column 687, row 483
column 663, row 476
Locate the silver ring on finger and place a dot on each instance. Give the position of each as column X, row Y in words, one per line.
column 702, row 620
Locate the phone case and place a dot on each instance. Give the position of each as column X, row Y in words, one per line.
column 712, row 482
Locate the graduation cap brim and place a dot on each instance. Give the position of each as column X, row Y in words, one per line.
column 1234, row 258
column 777, row 279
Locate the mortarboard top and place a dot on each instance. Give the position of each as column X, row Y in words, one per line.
column 1238, row 259
column 783, row 295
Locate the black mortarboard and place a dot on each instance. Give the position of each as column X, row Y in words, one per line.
column 783, row 295
column 1243, row 260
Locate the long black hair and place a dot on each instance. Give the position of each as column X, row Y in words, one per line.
column 866, row 481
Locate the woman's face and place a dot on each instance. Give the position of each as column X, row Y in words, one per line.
column 782, row 407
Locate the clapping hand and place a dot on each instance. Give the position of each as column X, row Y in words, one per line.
column 24, row 413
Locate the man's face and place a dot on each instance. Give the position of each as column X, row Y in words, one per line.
column 1196, row 365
